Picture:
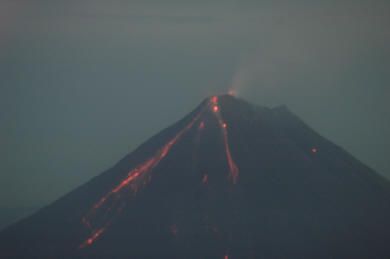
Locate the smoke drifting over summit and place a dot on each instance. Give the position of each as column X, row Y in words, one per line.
column 82, row 80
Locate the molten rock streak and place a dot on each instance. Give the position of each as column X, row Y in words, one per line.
column 108, row 204
column 103, row 212
column 233, row 168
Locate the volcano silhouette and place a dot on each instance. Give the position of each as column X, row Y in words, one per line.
column 230, row 180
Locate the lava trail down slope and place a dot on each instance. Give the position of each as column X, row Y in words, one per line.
column 230, row 180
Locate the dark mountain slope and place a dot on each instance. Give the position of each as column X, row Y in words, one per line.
column 230, row 180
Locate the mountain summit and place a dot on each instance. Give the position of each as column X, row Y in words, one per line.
column 230, row 180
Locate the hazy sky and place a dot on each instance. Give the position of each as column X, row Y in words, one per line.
column 83, row 83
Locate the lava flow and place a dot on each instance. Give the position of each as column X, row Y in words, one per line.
column 234, row 171
column 93, row 237
column 109, row 202
column 103, row 212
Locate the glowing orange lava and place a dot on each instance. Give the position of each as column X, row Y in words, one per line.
column 100, row 217
column 202, row 125
column 93, row 237
column 108, row 204
column 232, row 165
column 233, row 168
column 205, row 179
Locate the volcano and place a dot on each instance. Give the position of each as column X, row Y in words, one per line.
column 230, row 180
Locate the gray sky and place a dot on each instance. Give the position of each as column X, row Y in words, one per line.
column 84, row 82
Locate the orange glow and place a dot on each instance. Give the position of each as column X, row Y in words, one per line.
column 226, row 257
column 202, row 125
column 93, row 238
column 109, row 204
column 233, row 168
column 232, row 165
column 205, row 179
